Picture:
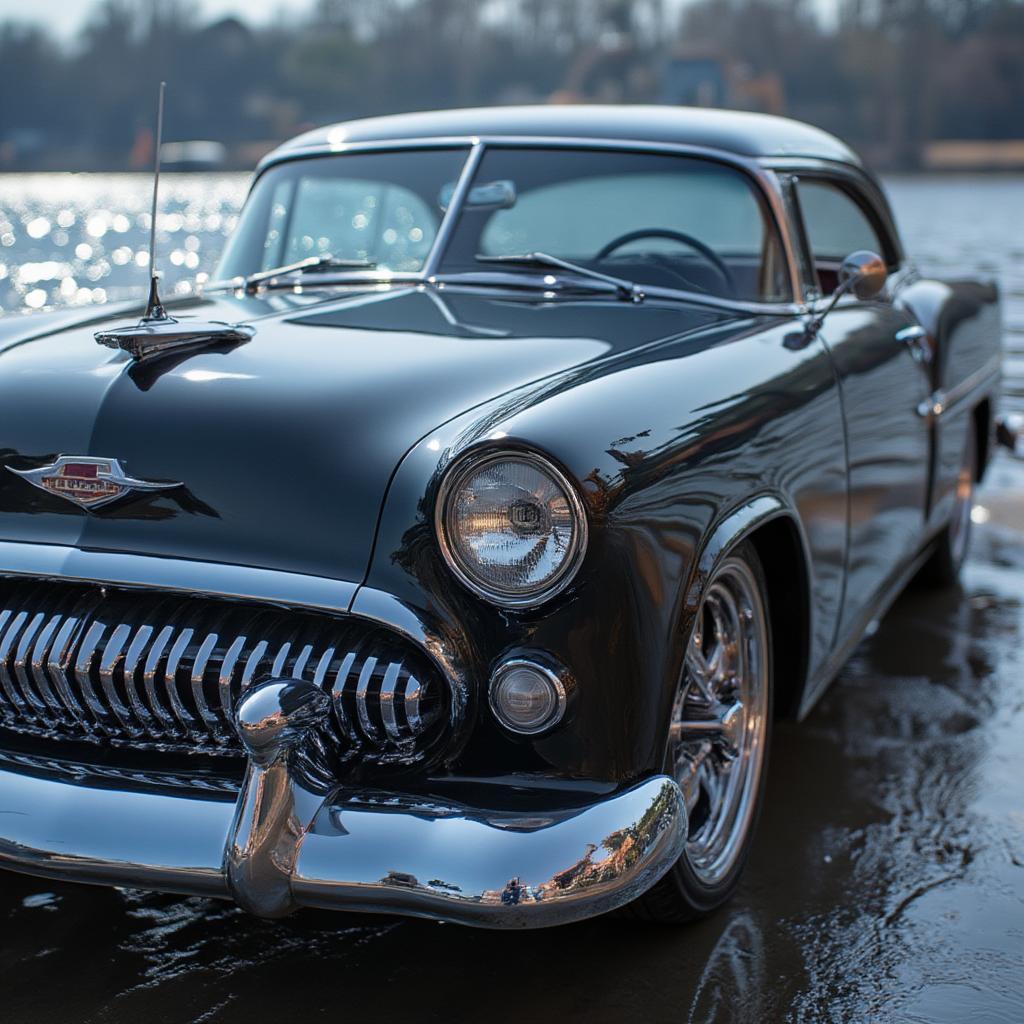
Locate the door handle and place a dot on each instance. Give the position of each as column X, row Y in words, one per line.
column 917, row 339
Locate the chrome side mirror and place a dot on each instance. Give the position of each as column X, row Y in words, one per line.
column 864, row 273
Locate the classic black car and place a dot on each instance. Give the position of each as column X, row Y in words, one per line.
column 453, row 555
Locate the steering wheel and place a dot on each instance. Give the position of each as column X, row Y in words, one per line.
column 695, row 244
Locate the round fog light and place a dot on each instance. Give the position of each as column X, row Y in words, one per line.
column 526, row 698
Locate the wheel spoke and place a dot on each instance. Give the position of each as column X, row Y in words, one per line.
column 719, row 718
column 700, row 672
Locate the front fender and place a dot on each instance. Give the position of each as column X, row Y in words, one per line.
column 667, row 447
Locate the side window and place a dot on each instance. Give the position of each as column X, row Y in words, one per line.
column 836, row 226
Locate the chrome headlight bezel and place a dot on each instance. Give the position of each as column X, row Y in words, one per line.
column 456, row 474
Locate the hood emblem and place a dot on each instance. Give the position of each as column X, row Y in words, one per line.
column 88, row 482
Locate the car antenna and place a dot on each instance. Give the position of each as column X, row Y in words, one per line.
column 158, row 332
column 154, row 307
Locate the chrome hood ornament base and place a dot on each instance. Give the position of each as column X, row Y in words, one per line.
column 157, row 332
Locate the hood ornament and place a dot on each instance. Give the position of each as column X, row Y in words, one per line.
column 157, row 332
column 86, row 481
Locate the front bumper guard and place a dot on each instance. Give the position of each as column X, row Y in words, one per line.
column 290, row 840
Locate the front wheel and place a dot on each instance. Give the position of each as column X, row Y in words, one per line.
column 718, row 741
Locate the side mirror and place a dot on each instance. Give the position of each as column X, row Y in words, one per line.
column 862, row 272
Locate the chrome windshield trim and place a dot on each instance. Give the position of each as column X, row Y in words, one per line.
column 451, row 214
column 762, row 175
column 522, row 281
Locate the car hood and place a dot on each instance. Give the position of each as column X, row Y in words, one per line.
column 284, row 445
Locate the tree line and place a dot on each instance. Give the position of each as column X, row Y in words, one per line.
column 887, row 75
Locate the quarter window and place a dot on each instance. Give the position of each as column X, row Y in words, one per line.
column 836, row 226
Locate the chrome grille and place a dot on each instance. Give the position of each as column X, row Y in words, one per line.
column 131, row 668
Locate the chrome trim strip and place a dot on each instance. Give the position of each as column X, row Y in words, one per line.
column 942, row 400
column 411, row 694
column 6, row 644
column 21, row 659
column 170, row 674
column 322, row 666
column 108, row 662
column 362, row 693
column 227, row 669
column 252, row 664
column 56, row 662
column 199, row 664
column 131, row 664
column 451, row 215
column 208, row 579
column 282, row 656
column 387, row 701
column 338, row 693
column 300, row 662
column 83, row 666
column 5, row 614
column 149, row 678
column 38, row 664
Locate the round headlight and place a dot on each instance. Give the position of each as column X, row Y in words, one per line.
column 511, row 526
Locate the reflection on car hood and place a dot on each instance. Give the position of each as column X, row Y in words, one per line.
column 284, row 444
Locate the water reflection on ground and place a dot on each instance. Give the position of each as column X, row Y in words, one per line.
column 888, row 879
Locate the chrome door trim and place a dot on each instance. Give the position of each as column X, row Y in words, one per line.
column 944, row 400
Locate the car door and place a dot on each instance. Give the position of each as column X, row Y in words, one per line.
column 882, row 380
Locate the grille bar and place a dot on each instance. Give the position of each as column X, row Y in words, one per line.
column 137, row 670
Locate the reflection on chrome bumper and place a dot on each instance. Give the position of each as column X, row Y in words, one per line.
column 291, row 841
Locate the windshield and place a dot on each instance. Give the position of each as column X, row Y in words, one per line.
column 378, row 209
column 589, row 217
column 674, row 222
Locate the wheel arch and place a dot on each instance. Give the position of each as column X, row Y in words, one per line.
column 773, row 528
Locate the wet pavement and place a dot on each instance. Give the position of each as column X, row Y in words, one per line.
column 887, row 883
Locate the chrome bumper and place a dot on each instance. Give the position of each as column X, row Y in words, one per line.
column 289, row 841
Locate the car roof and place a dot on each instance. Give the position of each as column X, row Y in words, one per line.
column 757, row 136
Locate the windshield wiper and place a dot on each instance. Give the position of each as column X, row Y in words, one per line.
column 310, row 265
column 626, row 290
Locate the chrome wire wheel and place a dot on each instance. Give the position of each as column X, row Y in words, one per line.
column 720, row 715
